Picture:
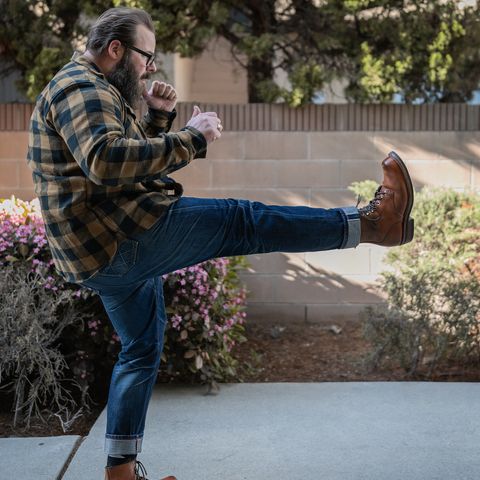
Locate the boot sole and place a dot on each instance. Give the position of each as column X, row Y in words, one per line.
column 408, row 225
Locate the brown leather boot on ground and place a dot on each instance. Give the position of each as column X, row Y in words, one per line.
column 133, row 470
column 386, row 219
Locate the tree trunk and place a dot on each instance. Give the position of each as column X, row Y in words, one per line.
column 258, row 71
column 262, row 18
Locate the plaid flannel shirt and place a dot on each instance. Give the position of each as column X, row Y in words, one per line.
column 100, row 174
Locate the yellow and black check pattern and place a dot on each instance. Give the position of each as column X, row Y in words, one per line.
column 100, row 173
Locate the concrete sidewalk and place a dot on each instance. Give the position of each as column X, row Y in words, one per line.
column 299, row 431
column 39, row 458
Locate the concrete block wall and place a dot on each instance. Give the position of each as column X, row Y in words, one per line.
column 301, row 168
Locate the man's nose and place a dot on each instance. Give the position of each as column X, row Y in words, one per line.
column 152, row 68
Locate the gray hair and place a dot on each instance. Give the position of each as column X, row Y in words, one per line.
column 117, row 24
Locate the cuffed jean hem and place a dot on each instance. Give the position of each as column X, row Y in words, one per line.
column 120, row 445
column 352, row 227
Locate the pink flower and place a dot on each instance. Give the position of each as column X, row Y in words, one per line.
column 176, row 321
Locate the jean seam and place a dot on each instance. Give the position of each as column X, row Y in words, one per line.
column 345, row 229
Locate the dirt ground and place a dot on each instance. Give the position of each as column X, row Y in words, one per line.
column 308, row 353
column 325, row 353
column 286, row 353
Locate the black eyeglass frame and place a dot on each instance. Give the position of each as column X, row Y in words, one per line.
column 150, row 56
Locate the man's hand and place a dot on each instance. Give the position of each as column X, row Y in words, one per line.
column 207, row 123
column 161, row 96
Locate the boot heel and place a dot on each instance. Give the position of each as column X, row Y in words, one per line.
column 409, row 229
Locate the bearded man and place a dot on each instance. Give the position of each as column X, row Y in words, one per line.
column 116, row 222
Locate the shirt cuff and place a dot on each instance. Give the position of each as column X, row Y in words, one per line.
column 160, row 119
column 199, row 142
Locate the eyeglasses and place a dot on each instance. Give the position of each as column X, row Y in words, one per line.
column 150, row 56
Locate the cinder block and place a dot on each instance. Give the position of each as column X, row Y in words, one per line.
column 277, row 263
column 9, row 175
column 13, row 145
column 411, row 145
column 259, row 287
column 308, row 174
column 307, row 289
column 196, row 174
column 22, row 193
column 461, row 146
column 330, row 288
column 359, row 170
column 231, row 146
column 276, row 145
column 335, row 198
column 276, row 313
column 25, row 175
column 240, row 173
column 269, row 196
column 341, row 262
column 343, row 146
column 440, row 173
column 199, row 192
column 360, row 289
column 476, row 178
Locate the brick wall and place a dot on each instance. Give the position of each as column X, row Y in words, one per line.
column 301, row 168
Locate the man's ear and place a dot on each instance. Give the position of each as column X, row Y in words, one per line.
column 115, row 50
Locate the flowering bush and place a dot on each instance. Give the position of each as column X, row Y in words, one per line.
column 22, row 234
column 205, row 304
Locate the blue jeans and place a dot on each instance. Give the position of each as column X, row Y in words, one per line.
column 191, row 231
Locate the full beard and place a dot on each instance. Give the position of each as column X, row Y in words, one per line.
column 126, row 80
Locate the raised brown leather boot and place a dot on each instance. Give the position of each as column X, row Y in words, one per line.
column 133, row 470
column 386, row 219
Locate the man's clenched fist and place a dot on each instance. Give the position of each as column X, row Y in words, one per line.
column 161, row 96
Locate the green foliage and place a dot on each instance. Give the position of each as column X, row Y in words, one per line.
column 305, row 79
column 378, row 78
column 425, row 51
column 422, row 51
column 364, row 190
column 37, row 38
column 432, row 287
column 48, row 60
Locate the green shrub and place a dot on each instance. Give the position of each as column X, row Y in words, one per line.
column 364, row 190
column 432, row 287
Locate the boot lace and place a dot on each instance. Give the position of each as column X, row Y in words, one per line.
column 374, row 203
column 140, row 470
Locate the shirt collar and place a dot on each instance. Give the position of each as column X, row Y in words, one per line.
column 83, row 60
